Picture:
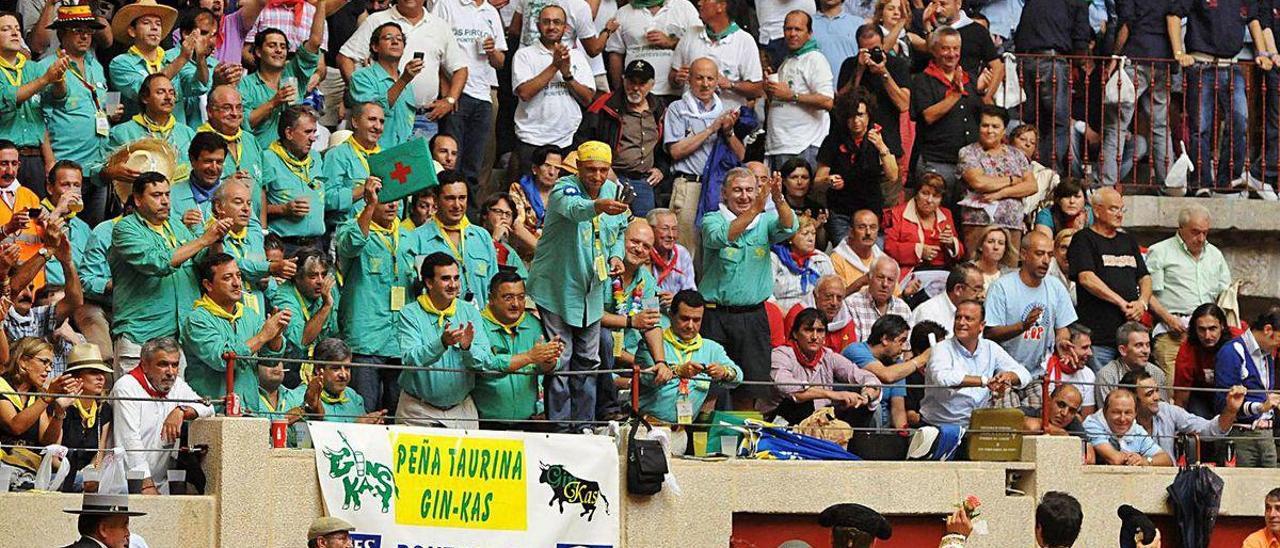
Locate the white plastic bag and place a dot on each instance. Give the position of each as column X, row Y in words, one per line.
column 1010, row 93
column 46, row 479
column 1175, row 182
column 112, row 481
column 1120, row 89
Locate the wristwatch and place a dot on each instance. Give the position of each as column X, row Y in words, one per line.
column 451, row 101
column 44, row 252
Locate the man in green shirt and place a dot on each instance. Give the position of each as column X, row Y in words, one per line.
column 244, row 240
column 312, row 297
column 225, row 111
column 192, row 198
column 737, row 273
column 579, row 250
column 20, row 97
column 80, row 116
column 274, row 401
column 699, row 366
column 509, row 392
column 295, row 182
column 155, row 121
column 386, row 83
column 340, row 402
column 280, row 80
column 154, row 284
column 346, row 166
column 449, row 231
column 378, row 273
column 184, row 64
column 631, row 316
column 221, row 321
column 62, row 197
column 441, row 332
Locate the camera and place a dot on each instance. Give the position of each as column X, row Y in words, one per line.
column 876, row 55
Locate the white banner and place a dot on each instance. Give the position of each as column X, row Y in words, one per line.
column 408, row 487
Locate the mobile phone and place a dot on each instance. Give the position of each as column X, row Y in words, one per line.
column 419, row 55
column 627, row 194
column 34, row 213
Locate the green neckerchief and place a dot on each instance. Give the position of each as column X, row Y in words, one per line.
column 646, row 4
column 718, row 36
column 811, row 45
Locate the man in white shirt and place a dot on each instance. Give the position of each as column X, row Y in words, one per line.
column 424, row 34
column 553, row 82
column 963, row 283
column 772, row 13
column 477, row 28
column 741, row 78
column 974, row 367
column 800, row 96
column 650, row 30
column 142, row 427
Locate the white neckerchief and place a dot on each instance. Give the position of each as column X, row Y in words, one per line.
column 962, row 20
column 728, row 215
column 10, row 193
column 695, row 106
column 846, row 252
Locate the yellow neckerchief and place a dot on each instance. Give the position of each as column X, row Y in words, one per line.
column 153, row 66
column 461, row 227
column 164, row 231
column 448, row 312
column 160, row 131
column 390, row 238
column 684, row 350
column 233, row 140
column 218, row 312
column 302, row 305
column 299, row 168
column 326, row 398
column 88, row 415
column 363, row 153
column 13, row 71
column 238, row 240
column 509, row 328
column 49, row 206
column 18, row 403
column 262, row 396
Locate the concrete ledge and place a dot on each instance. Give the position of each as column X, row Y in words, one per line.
column 37, row 519
column 1148, row 212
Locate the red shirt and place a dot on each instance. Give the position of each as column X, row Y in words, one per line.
column 1194, row 366
column 836, row 340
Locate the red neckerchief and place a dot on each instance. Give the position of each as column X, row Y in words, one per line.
column 935, row 71
column 665, row 267
column 502, row 252
column 810, row 364
column 1057, row 368
column 137, row 373
column 802, row 259
column 296, row 5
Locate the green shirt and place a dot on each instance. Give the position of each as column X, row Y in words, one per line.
column 476, row 258
column 343, row 170
column 372, row 265
column 256, row 403
column 564, row 277
column 182, row 198
column 75, row 116
column 287, row 297
column 250, row 256
column 642, row 289
column 205, row 337
column 372, row 84
column 128, row 71
column 509, row 396
column 96, row 273
column 190, row 109
column 1181, row 281
column 23, row 123
column 130, row 131
column 256, row 92
column 345, row 408
column 661, row 401
column 245, row 154
column 150, row 298
column 420, row 345
column 79, row 233
column 739, row 273
column 283, row 186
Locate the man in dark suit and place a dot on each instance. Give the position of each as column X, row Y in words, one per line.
column 103, row 521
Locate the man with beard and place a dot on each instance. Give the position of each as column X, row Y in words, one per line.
column 346, row 166
column 158, row 98
column 221, row 322
column 631, row 124
column 519, row 351
column 147, row 419
column 449, row 231
column 154, row 283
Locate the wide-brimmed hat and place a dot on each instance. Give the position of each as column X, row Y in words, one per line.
column 569, row 163
column 98, row 504
column 143, row 155
column 86, row 357
column 126, row 15
column 71, row 14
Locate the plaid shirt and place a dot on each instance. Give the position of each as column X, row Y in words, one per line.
column 865, row 314
column 40, row 323
column 280, row 17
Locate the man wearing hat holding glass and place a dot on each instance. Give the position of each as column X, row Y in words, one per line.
column 329, row 532
column 631, row 124
column 104, row 521
column 580, row 248
column 144, row 24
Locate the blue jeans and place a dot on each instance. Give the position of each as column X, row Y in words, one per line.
column 1051, row 110
column 1153, row 99
column 571, row 399
column 607, row 402
column 471, row 126
column 1268, row 99
column 644, row 195
column 1209, row 86
column 1102, row 355
column 810, row 154
column 838, row 227
column 380, row 387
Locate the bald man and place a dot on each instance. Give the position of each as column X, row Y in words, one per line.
column 1113, row 284
column 630, row 316
column 877, row 298
column 828, row 298
column 1063, row 416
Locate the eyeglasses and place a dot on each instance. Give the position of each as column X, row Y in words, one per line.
column 501, row 212
column 512, row 298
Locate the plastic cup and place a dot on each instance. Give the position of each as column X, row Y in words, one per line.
column 135, row 478
column 113, row 101
column 6, row 475
column 729, row 446
column 279, row 433
column 480, row 44
column 292, row 82
column 91, row 478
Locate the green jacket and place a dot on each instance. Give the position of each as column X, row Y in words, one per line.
column 150, row 298
column 660, row 401
column 96, row 272
column 23, row 123
column 287, row 297
column 250, row 257
column 420, row 346
column 283, row 186
column 206, row 336
column 740, row 273
column 128, row 71
column 79, row 233
column 642, row 289
column 75, row 117
column 564, row 278
column 345, row 408
column 250, row 161
column 255, row 92
column 370, row 271
column 510, row 396
column 343, row 170
column 372, row 84
column 478, row 261
column 130, row 131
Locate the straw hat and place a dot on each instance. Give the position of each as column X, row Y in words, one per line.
column 75, row 15
column 86, row 357
column 128, row 14
column 99, row 504
column 569, row 163
column 149, row 154
column 338, row 137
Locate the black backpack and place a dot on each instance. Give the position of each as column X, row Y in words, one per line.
column 646, row 462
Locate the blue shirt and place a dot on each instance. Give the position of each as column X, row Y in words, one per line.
column 682, row 121
column 860, row 354
column 1242, row 362
column 1136, row 440
column 1003, row 16
column 837, row 37
column 1009, row 301
column 1148, row 35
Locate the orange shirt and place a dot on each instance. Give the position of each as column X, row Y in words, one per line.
column 1261, row 538
column 29, row 238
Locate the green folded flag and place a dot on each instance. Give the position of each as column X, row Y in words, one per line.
column 404, row 169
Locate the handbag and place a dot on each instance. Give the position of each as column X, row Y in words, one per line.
column 1120, row 89
column 1010, row 93
column 646, row 462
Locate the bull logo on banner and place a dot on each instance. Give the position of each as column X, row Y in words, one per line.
column 360, row 476
column 566, row 487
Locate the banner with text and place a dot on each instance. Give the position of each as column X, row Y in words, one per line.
column 408, row 487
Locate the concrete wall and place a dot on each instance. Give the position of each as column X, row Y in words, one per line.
column 266, row 497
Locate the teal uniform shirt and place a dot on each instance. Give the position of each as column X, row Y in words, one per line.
column 740, row 273
column 345, row 408
column 287, row 297
column 510, row 396
column 190, row 109
column 513, row 259
column 183, row 196
column 284, row 185
column 97, row 273
column 642, row 289
column 662, row 401
column 372, row 266
column 23, row 123
column 250, row 256
column 130, row 131
column 128, row 71
column 243, row 154
column 344, row 168
column 575, row 242
column 150, row 298
column 206, row 335
column 256, row 404
column 79, row 233
column 420, row 345
column 75, row 116
column 372, row 84
column 256, row 92
column 476, row 258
